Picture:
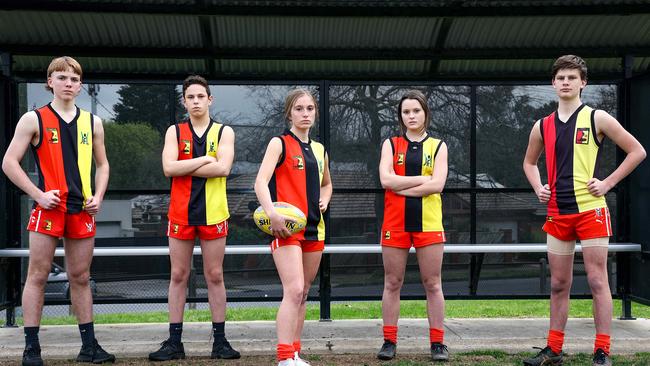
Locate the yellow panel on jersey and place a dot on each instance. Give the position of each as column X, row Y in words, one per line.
column 585, row 160
column 319, row 154
column 85, row 151
column 431, row 204
column 216, row 204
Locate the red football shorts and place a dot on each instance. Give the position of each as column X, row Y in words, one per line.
column 204, row 232
column 306, row 245
column 406, row 239
column 61, row 224
column 590, row 224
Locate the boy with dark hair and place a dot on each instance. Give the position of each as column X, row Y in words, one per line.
column 198, row 155
column 571, row 138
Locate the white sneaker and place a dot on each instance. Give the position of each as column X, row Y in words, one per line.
column 297, row 361
column 287, row 362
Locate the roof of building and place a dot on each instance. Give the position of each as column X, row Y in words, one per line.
column 327, row 39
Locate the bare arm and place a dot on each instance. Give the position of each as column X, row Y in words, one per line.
column 609, row 126
column 225, row 157
column 26, row 133
column 533, row 152
column 387, row 176
column 325, row 187
column 436, row 183
column 101, row 168
column 271, row 157
column 172, row 167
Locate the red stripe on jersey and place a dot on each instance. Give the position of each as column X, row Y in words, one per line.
column 181, row 186
column 290, row 178
column 394, row 204
column 549, row 137
column 49, row 156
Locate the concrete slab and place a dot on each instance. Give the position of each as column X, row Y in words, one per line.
column 340, row 336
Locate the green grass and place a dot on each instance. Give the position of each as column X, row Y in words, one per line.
column 371, row 310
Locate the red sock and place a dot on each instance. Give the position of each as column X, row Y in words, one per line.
column 436, row 335
column 284, row 351
column 555, row 340
column 602, row 342
column 297, row 346
column 390, row 333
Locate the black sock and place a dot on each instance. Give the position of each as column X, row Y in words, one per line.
column 31, row 336
column 218, row 332
column 175, row 332
column 87, row 332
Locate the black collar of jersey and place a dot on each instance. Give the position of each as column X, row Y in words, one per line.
column 288, row 132
column 416, row 142
column 205, row 133
column 571, row 117
column 66, row 123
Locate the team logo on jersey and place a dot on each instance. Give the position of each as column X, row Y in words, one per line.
column 84, row 138
column 175, row 228
column 54, row 135
column 211, row 146
column 298, row 162
column 387, row 235
column 549, row 218
column 582, row 136
column 320, row 166
column 427, row 160
column 400, row 159
column 186, row 147
column 47, row 225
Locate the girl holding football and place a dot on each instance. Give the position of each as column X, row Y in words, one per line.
column 295, row 170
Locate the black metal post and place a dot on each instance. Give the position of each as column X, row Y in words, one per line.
column 623, row 284
column 476, row 260
column 324, row 283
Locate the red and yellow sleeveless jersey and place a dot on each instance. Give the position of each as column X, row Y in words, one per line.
column 413, row 214
column 198, row 200
column 64, row 156
column 572, row 158
column 297, row 180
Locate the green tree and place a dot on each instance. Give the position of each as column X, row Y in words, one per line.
column 158, row 105
column 134, row 152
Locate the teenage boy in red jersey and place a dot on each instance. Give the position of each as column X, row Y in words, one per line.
column 65, row 140
column 571, row 138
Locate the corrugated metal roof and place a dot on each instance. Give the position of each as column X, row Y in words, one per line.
column 329, row 32
column 153, row 40
column 97, row 29
column 526, row 67
column 550, row 32
column 116, row 65
column 400, row 68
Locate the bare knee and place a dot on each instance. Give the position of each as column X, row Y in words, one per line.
column 294, row 293
column 393, row 283
column 38, row 276
column 214, row 276
column 305, row 292
column 598, row 282
column 560, row 285
column 79, row 278
column 180, row 275
column 432, row 284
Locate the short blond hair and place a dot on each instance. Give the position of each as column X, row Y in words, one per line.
column 63, row 63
